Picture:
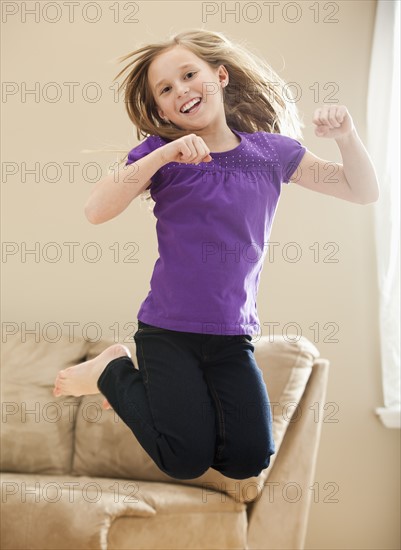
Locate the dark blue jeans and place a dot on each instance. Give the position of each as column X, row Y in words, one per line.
column 198, row 401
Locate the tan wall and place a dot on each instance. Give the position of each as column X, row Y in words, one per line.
column 357, row 454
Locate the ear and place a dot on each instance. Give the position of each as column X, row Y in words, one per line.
column 223, row 75
column 160, row 112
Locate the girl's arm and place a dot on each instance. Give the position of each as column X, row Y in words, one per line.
column 355, row 180
column 112, row 194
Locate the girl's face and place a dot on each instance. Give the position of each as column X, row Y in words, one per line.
column 178, row 78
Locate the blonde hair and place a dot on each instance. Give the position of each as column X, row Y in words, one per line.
column 254, row 100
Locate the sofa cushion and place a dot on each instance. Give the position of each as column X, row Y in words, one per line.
column 105, row 513
column 62, row 512
column 186, row 517
column 105, row 446
column 36, row 428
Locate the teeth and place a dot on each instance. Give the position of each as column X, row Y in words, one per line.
column 190, row 104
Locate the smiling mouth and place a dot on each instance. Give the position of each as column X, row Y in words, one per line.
column 191, row 106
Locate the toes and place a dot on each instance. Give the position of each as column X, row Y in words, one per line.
column 59, row 378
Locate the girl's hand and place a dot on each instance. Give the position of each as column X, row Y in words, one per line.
column 189, row 149
column 332, row 121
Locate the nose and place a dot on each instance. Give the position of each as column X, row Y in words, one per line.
column 182, row 89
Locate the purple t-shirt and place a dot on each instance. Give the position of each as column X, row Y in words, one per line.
column 213, row 225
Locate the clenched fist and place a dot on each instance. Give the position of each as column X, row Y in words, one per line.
column 187, row 149
column 332, row 121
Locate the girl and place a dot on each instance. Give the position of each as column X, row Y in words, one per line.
column 214, row 160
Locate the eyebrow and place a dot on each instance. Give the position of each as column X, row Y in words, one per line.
column 163, row 80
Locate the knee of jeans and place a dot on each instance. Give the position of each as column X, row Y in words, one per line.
column 251, row 467
column 188, row 465
column 186, row 471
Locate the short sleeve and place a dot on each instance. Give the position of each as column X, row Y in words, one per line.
column 290, row 153
column 144, row 148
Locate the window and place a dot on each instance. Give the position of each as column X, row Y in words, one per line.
column 383, row 144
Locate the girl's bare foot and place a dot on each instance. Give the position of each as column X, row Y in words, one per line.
column 82, row 379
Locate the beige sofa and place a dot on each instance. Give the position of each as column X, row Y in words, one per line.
column 74, row 476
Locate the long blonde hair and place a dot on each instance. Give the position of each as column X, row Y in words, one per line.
column 253, row 100
column 256, row 98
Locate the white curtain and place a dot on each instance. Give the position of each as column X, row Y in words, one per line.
column 383, row 143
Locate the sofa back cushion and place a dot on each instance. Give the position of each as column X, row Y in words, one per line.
column 37, row 429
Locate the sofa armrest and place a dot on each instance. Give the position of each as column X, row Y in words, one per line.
column 278, row 519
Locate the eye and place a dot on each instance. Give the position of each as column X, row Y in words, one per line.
column 167, row 87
